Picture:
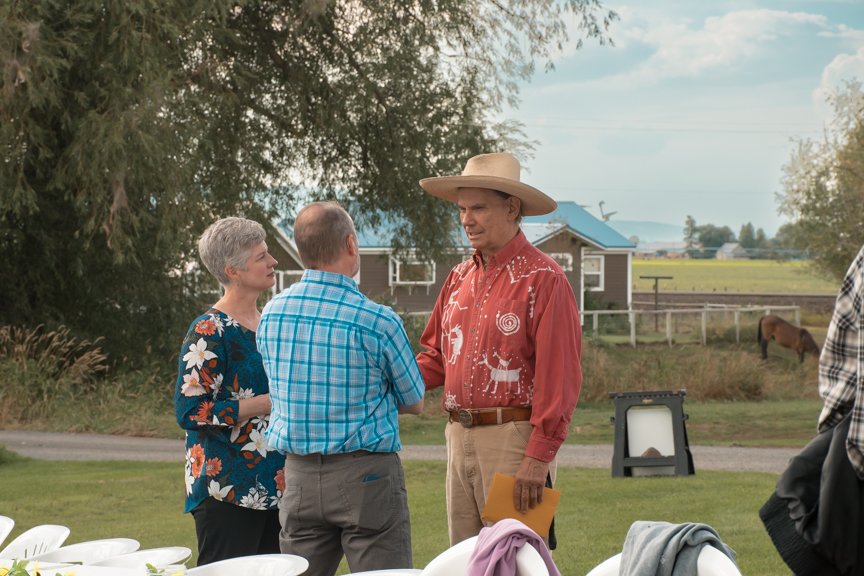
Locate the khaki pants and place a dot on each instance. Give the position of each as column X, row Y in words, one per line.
column 354, row 504
column 474, row 455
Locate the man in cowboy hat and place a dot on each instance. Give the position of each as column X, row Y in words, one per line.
column 504, row 340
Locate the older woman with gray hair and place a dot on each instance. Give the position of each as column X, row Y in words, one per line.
column 233, row 479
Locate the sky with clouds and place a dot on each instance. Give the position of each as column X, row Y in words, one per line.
column 695, row 109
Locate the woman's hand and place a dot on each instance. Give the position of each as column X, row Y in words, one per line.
column 255, row 406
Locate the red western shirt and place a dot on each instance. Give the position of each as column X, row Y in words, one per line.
column 508, row 336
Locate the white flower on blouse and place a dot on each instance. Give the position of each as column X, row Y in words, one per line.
column 259, row 423
column 198, row 354
column 256, row 499
column 229, row 321
column 217, row 384
column 218, row 492
column 242, row 394
column 218, row 322
column 257, row 442
column 188, row 479
column 192, row 384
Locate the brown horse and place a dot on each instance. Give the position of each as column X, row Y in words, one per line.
column 785, row 334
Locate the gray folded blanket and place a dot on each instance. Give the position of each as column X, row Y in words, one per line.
column 664, row 549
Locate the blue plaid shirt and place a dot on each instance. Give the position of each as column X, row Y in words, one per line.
column 338, row 365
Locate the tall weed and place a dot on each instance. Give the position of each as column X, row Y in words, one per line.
column 53, row 355
column 717, row 372
column 55, row 381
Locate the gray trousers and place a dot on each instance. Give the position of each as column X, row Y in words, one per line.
column 354, row 504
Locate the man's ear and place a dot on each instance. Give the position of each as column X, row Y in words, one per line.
column 352, row 244
column 514, row 207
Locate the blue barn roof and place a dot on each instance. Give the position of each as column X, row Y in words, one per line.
column 583, row 224
column 536, row 228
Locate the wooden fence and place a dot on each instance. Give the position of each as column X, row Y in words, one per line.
column 679, row 322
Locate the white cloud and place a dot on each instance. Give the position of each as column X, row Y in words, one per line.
column 844, row 67
column 683, row 47
column 721, row 42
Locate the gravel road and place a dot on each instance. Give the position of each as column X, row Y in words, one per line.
column 69, row 446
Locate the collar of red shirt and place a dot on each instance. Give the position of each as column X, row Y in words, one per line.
column 504, row 255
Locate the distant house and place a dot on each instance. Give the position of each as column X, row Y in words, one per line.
column 594, row 257
column 732, row 251
column 649, row 250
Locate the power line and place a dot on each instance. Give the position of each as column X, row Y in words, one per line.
column 656, row 129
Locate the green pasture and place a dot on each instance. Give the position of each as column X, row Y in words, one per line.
column 748, row 276
column 145, row 501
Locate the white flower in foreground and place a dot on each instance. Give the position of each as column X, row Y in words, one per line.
column 198, row 354
column 257, row 442
column 243, row 394
column 218, row 492
column 192, row 384
column 256, row 499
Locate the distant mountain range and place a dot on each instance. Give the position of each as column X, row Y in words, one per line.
column 648, row 231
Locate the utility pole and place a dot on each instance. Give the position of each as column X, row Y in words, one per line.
column 656, row 294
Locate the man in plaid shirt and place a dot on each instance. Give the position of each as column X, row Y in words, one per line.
column 841, row 366
column 340, row 369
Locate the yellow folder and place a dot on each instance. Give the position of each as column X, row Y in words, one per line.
column 499, row 505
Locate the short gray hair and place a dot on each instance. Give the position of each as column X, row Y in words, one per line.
column 227, row 242
column 320, row 230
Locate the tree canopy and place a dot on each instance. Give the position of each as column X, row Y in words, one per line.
column 128, row 126
column 824, row 186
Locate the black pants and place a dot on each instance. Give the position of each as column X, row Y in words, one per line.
column 228, row 531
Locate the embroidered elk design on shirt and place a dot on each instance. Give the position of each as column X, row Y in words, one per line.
column 502, row 374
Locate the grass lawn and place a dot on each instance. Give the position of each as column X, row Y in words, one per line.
column 768, row 276
column 144, row 501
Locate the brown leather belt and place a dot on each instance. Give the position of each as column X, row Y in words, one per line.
column 489, row 416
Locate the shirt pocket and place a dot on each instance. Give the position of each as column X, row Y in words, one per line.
column 511, row 320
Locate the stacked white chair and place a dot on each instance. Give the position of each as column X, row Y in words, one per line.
column 36, row 540
column 259, row 565
column 711, row 562
column 89, row 551
column 158, row 557
column 6, row 525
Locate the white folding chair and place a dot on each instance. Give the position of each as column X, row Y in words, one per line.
column 36, row 540
column 89, row 551
column 529, row 562
column 6, row 525
column 389, row 572
column 711, row 562
column 259, row 565
column 158, row 557
column 453, row 561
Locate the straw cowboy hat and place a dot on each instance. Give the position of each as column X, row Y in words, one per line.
column 499, row 171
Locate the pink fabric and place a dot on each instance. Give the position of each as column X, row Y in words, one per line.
column 497, row 545
column 508, row 336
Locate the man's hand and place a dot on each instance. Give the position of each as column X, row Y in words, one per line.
column 530, row 481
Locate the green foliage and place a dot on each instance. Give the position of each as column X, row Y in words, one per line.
column 824, row 186
column 127, row 127
column 51, row 379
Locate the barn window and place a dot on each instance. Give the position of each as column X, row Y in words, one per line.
column 593, row 268
column 411, row 272
column 564, row 259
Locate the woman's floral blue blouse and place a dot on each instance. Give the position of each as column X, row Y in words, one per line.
column 225, row 459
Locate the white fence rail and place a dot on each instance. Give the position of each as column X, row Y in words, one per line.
column 701, row 317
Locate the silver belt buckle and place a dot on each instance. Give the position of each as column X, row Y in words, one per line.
column 465, row 418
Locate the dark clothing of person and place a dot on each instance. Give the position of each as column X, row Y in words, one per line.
column 227, row 531
column 815, row 516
